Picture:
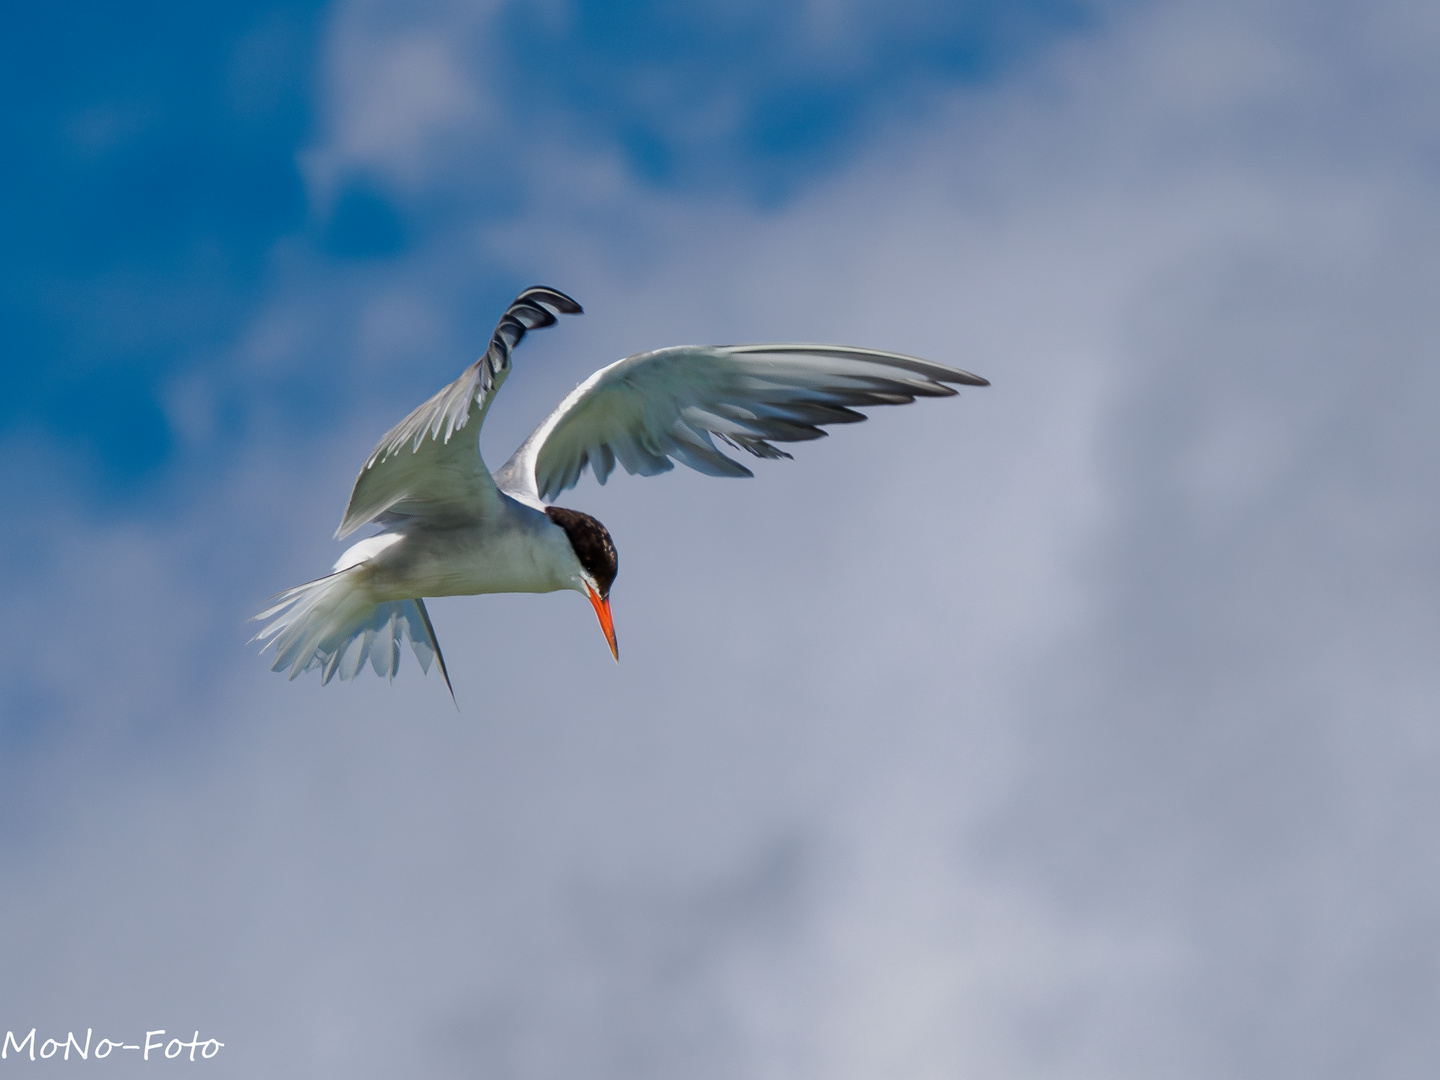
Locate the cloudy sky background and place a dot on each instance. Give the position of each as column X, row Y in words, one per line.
column 1083, row 726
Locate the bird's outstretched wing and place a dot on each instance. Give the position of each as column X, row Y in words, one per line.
column 425, row 467
column 653, row 407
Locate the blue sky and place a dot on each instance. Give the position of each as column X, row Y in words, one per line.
column 1080, row 726
column 160, row 152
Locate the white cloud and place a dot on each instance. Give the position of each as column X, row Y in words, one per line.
column 398, row 85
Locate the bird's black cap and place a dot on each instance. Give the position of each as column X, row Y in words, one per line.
column 592, row 544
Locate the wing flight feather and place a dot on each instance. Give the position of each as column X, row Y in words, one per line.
column 424, row 467
column 652, row 409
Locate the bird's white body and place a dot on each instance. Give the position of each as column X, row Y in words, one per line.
column 514, row 549
column 451, row 528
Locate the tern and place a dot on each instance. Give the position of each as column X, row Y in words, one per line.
column 449, row 527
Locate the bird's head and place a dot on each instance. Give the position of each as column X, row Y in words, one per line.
column 595, row 552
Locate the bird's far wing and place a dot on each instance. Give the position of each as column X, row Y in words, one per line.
column 653, row 407
column 425, row 467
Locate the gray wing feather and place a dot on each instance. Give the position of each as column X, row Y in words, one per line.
column 652, row 409
column 420, row 468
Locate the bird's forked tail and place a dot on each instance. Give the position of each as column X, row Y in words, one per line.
column 334, row 625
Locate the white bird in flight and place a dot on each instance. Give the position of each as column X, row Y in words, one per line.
column 451, row 528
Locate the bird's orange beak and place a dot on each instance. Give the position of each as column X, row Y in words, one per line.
column 602, row 612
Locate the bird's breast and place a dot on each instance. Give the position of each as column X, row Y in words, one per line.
column 509, row 557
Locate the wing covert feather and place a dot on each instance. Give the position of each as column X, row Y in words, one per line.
column 424, row 467
column 649, row 410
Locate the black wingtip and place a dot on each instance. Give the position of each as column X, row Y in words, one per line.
column 966, row 378
column 566, row 305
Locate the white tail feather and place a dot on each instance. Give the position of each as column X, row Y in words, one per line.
column 333, row 624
